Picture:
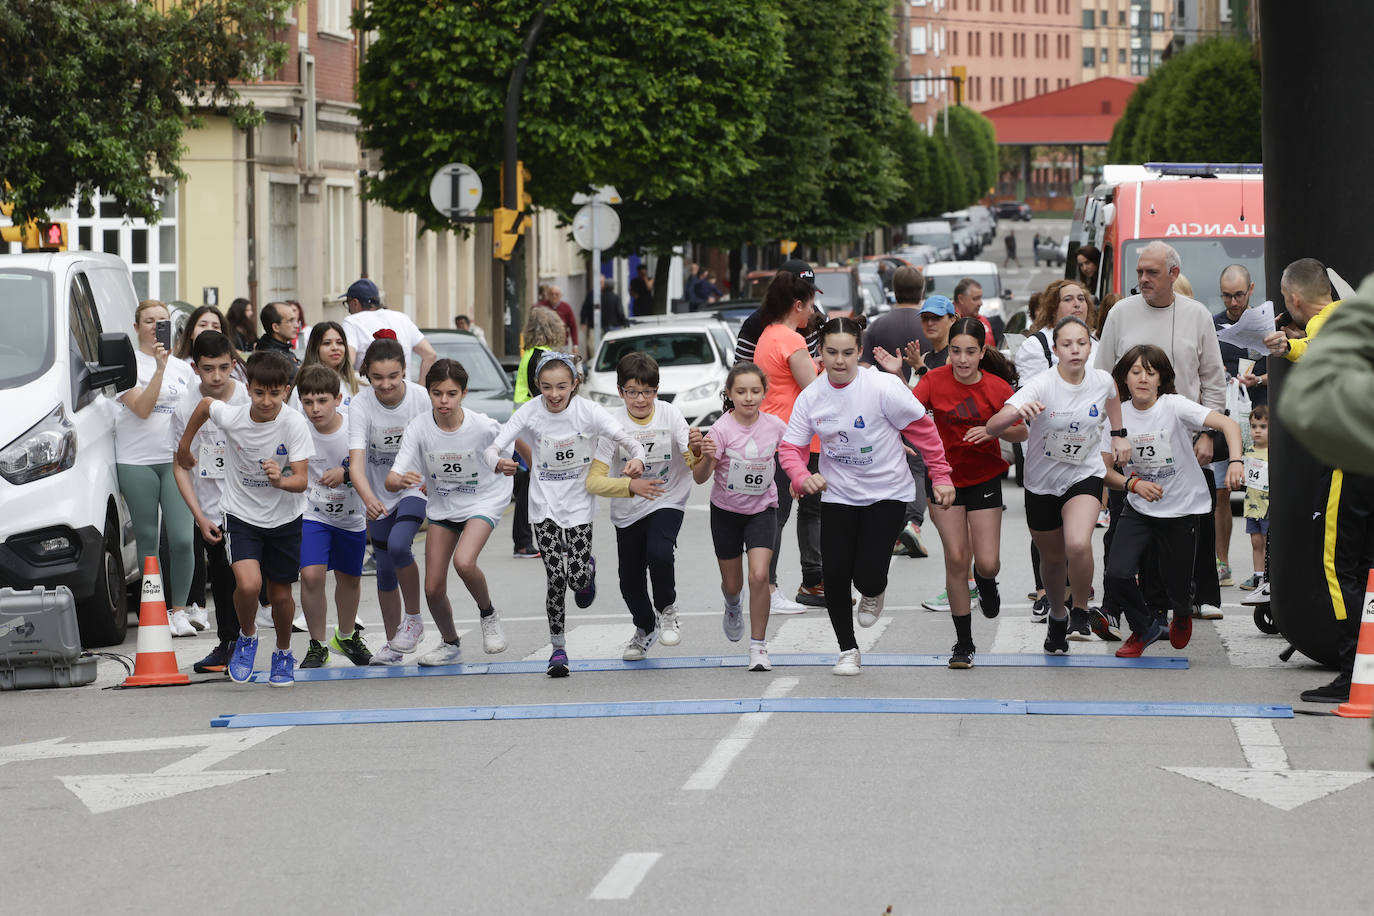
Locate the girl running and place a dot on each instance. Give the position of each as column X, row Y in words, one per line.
column 1066, row 411
column 439, row 450
column 328, row 346
column 376, row 424
column 738, row 453
column 1165, row 493
column 562, row 430
column 861, row 416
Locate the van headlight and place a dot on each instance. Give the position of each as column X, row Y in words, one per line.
column 47, row 448
column 700, row 391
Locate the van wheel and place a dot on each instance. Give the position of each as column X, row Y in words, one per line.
column 104, row 620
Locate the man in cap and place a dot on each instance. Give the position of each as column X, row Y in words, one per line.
column 366, row 317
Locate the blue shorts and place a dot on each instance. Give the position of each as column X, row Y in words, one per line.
column 276, row 550
column 1257, row 526
column 333, row 548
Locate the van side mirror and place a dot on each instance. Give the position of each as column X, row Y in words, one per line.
column 117, row 365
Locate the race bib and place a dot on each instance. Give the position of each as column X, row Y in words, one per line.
column 386, row 440
column 331, row 502
column 1257, row 474
column 842, row 451
column 658, row 450
column 749, row 477
column 1152, row 450
column 1069, row 447
column 453, row 469
column 210, row 466
column 564, row 458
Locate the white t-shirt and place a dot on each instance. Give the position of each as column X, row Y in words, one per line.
column 1162, row 452
column 859, row 425
column 209, row 447
column 1030, row 356
column 459, row 483
column 563, row 445
column 341, row 506
column 248, row 495
column 377, row 430
column 150, row 441
column 1067, row 440
column 360, row 326
column 664, row 437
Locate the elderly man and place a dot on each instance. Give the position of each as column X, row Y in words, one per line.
column 968, row 303
column 1182, row 327
column 366, row 317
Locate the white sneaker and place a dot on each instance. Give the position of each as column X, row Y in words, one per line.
column 637, row 649
column 442, row 654
column 298, row 624
column 199, row 617
column 870, row 609
column 493, row 640
column 387, row 656
column 778, row 603
column 179, row 624
column 849, row 664
column 1258, row 597
column 669, row 630
column 409, row 635
column 734, row 621
column 265, row 618
column 758, row 658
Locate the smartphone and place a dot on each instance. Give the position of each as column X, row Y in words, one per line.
column 163, row 332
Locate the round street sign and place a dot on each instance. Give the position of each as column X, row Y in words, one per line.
column 596, row 226
column 455, row 190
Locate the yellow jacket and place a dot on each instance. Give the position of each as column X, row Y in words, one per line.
column 1296, row 348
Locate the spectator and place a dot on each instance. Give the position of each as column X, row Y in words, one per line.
column 642, row 291
column 279, row 330
column 242, row 328
column 1257, row 495
column 937, row 316
column 302, row 329
column 1183, row 286
column 366, row 317
column 706, row 290
column 1035, row 251
column 464, row 323
column 612, row 314
column 1103, row 308
column 753, row 326
column 1011, row 249
column 1088, row 259
column 553, row 298
column 968, row 303
column 689, row 287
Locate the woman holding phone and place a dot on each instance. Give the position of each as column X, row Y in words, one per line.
column 143, row 456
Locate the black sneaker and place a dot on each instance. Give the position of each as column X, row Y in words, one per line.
column 214, row 663
column 1056, row 639
column 1338, row 691
column 1105, row 626
column 961, row 656
column 1040, row 609
column 1079, row 630
column 988, row 597
column 316, row 656
column 353, row 648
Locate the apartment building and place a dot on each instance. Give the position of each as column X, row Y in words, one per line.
column 1127, row 37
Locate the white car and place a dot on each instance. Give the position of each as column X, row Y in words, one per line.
column 693, row 357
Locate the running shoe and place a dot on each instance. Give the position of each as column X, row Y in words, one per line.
column 669, row 629
column 264, row 618
column 849, row 664
column 1180, row 631
column 283, row 669
column 1258, row 597
column 1253, row 582
column 1030, row 596
column 241, row 661
column 198, row 616
column 812, row 595
column 558, row 663
column 961, row 656
column 989, row 598
column 733, row 622
column 493, row 640
column 1338, row 691
column 408, row 635
column 1105, row 626
column 370, row 562
column 1056, row 636
column 941, row 601
column 1224, row 576
column 353, row 648
column 446, row 653
column 1079, row 631
column 387, row 657
column 778, row 603
column 215, row 662
column 526, row 553
column 1139, row 642
column 180, row 624
column 1104, row 518
column 870, row 609
column 585, row 595
column 1040, row 609
column 298, row 624
column 316, row 655
column 637, row 649
column 899, row 550
column 911, row 539
column 1206, row 612
column 758, row 658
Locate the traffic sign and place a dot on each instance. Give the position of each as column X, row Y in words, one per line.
column 606, row 194
column 455, row 190
column 596, row 226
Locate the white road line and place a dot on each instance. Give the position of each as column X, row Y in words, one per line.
column 1260, row 743
column 620, row 882
column 600, row 640
column 1017, row 635
column 713, row 770
column 801, row 636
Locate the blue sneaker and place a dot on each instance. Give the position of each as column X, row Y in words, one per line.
column 283, row 669
column 558, row 663
column 585, row 595
column 242, row 658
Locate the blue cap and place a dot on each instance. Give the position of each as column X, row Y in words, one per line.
column 364, row 290
column 937, row 305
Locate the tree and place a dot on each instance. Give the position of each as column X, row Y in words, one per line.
column 98, row 93
column 973, row 140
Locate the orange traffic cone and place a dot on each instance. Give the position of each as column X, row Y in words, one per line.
column 1361, row 702
column 156, row 665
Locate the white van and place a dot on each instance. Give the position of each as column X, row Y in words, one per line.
column 64, row 356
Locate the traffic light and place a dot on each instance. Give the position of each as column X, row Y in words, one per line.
column 523, row 201
column 504, row 234
column 46, row 236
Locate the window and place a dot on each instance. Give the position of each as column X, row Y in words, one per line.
column 339, row 269
column 1120, row 17
column 1089, row 56
column 918, row 39
column 150, row 251
column 85, row 324
column 282, row 206
column 954, row 43
column 1157, row 21
column 1121, row 57
column 918, row 92
column 1088, row 19
column 1102, row 18
column 1106, row 56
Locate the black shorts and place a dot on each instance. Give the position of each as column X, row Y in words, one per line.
column 1046, row 513
column 986, row 495
column 734, row 533
column 277, row 550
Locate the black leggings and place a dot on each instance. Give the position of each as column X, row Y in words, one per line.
column 1158, row 550
column 221, row 580
column 856, row 547
column 648, row 545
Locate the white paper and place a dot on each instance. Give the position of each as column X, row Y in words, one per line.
column 1249, row 331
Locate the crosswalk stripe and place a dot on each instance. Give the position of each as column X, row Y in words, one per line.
column 802, row 636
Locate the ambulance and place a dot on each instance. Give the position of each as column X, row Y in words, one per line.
column 1213, row 215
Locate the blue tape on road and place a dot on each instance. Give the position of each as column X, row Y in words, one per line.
column 851, row 705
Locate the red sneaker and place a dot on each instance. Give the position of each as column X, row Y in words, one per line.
column 1136, row 645
column 1180, row 630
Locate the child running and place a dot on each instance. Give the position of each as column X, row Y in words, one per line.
column 334, row 530
column 439, row 449
column 649, row 511
column 861, row 416
column 1165, row 493
column 377, row 420
column 1066, row 409
column 562, row 430
column 1257, row 495
column 738, row 452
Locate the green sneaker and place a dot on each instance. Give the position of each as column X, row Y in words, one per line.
column 941, row 601
column 353, row 648
column 317, row 656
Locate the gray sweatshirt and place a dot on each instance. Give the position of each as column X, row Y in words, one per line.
column 1184, row 331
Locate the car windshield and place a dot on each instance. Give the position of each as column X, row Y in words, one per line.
column 938, row 235
column 1203, row 261
column 484, row 373
column 944, row 285
column 839, row 292
column 672, row 348
column 26, row 351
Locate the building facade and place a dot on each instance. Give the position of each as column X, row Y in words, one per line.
column 1127, row 37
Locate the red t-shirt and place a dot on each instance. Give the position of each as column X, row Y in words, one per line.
column 957, row 408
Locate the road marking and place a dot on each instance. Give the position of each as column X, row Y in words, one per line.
column 601, row 640
column 802, row 636
column 713, row 770
column 1246, row 646
column 1018, row 635
column 620, row 882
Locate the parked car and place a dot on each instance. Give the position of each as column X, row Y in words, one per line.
column 692, row 365
column 1013, row 209
column 934, row 232
column 489, row 387
column 877, row 297
column 1050, row 251
column 839, row 288
column 917, row 255
column 944, row 277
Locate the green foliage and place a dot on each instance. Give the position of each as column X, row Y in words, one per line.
column 97, row 93
column 914, row 153
column 973, row 141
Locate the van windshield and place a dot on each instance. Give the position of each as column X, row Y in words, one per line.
column 1203, row 260
column 26, row 349
column 937, row 234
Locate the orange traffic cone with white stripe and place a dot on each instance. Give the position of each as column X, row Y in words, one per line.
column 1361, row 702
column 156, row 665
